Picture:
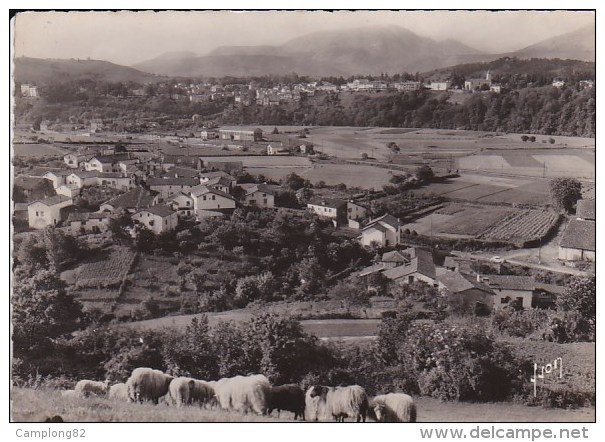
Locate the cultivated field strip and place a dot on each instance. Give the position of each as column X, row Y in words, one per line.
column 526, row 225
column 107, row 272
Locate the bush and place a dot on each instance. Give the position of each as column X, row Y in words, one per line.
column 560, row 396
column 519, row 323
column 454, row 362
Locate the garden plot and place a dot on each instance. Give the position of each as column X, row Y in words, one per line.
column 462, row 221
column 106, row 272
column 527, row 225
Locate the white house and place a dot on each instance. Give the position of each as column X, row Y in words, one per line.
column 116, row 180
column 355, row 211
column 277, row 150
column 47, row 212
column 166, row 187
column 420, row 268
column 439, row 85
column 205, row 177
column 259, row 195
column 57, row 177
column 82, row 178
column 333, row 208
column 68, row 191
column 211, row 202
column 182, row 203
column 579, row 241
column 88, row 222
column 510, row 288
column 158, row 218
column 75, row 160
column 383, row 231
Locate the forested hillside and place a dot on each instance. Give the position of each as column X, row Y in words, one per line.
column 544, row 110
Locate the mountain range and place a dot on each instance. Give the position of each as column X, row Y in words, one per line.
column 369, row 50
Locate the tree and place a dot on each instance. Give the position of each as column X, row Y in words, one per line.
column 42, row 310
column 294, row 181
column 532, row 139
column 424, row 174
column 565, row 192
column 364, row 156
column 524, row 138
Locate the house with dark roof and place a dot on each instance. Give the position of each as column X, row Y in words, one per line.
column 57, row 177
column 220, row 183
column 48, row 211
column 383, row 231
column 355, row 211
column 210, row 202
column 88, row 222
column 131, row 201
column 586, row 210
column 181, row 172
column 205, row 177
column 258, row 195
column 579, row 241
column 465, row 293
column 395, row 258
column 106, row 163
column 333, row 208
column 166, row 187
column 75, row 160
column 420, row 268
column 159, row 218
column 509, row 288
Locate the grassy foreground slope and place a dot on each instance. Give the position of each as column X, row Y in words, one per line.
column 36, row 405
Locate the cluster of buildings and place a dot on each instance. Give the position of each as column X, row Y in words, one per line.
column 29, row 90
column 466, row 289
column 156, row 192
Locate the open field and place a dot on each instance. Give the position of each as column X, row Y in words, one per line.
column 353, row 175
column 36, row 405
column 579, row 163
column 458, row 220
column 33, row 150
column 351, row 142
column 492, row 189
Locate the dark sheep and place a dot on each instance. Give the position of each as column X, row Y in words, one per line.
column 289, row 397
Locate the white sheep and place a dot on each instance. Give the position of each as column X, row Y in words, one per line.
column 119, row 392
column 394, row 407
column 146, row 384
column 181, row 390
column 339, row 402
column 244, row 393
column 87, row 388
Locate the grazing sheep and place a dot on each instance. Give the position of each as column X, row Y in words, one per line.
column 119, row 392
column 146, row 384
column 244, row 393
column 340, row 402
column 203, row 392
column 86, row 388
column 180, row 390
column 289, row 397
column 394, row 407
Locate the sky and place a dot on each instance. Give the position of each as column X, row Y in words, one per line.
column 129, row 37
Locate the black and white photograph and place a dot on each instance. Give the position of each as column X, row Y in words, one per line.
column 298, row 216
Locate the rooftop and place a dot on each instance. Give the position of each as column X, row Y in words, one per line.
column 136, row 198
column 51, row 201
column 580, row 234
column 191, row 182
column 160, row 210
column 586, row 209
column 509, row 282
column 328, row 202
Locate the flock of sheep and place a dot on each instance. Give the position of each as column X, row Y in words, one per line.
column 254, row 394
